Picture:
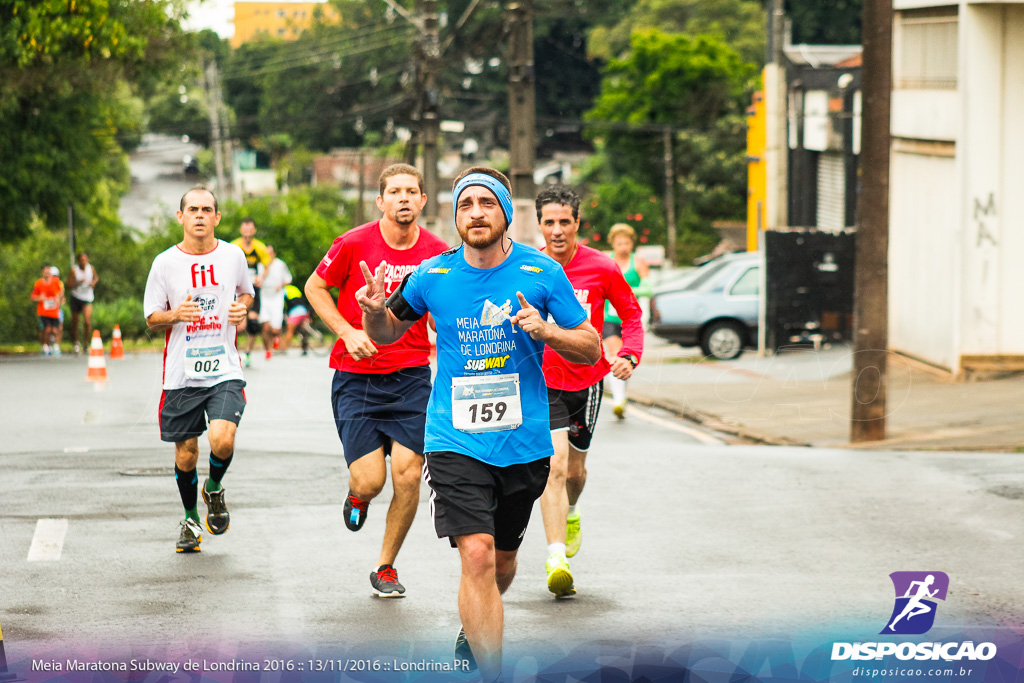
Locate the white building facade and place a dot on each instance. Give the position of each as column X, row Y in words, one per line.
column 956, row 236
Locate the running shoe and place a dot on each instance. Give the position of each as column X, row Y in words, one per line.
column 78, row 348
column 56, row 350
column 217, row 517
column 385, row 583
column 573, row 535
column 620, row 410
column 248, row 360
column 189, row 537
column 559, row 576
column 269, row 355
column 463, row 651
column 355, row 512
column 46, row 350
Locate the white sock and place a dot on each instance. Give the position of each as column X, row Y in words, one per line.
column 572, row 511
column 556, row 549
column 618, row 390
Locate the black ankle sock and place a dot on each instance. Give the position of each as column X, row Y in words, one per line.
column 187, row 487
column 218, row 467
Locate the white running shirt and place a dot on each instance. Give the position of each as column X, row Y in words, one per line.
column 213, row 279
column 83, row 276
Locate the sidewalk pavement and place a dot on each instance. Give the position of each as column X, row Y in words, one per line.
column 803, row 397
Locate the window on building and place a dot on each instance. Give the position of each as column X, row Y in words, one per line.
column 926, row 51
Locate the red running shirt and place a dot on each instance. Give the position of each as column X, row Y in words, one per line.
column 596, row 278
column 340, row 268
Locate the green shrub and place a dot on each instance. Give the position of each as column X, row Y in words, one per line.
column 127, row 313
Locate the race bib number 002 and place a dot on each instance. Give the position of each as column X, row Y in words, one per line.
column 486, row 404
column 206, row 362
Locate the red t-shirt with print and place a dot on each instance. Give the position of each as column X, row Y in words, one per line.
column 340, row 268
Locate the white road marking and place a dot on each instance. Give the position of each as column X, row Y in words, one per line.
column 48, row 541
column 76, row 449
column 642, row 414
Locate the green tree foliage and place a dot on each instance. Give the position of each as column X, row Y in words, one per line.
column 64, row 109
column 836, row 22
column 696, row 85
column 740, row 23
column 301, row 225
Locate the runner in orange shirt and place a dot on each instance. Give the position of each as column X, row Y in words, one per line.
column 47, row 294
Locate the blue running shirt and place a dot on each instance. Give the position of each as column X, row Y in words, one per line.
column 481, row 356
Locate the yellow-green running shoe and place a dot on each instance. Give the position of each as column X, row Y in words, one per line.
column 559, row 577
column 573, row 535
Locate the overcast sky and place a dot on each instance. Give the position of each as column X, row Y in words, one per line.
column 213, row 14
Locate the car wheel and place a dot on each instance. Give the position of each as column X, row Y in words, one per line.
column 722, row 340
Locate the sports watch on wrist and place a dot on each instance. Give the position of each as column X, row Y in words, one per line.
column 631, row 359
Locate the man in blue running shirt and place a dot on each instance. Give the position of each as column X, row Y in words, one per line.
column 496, row 305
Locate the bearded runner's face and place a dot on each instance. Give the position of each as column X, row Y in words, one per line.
column 479, row 218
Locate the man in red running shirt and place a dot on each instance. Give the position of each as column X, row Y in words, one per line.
column 380, row 393
column 574, row 391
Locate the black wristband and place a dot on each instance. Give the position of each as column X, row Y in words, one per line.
column 631, row 359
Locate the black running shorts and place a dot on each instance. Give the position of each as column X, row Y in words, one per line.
column 77, row 305
column 610, row 329
column 468, row 496
column 577, row 412
column 184, row 413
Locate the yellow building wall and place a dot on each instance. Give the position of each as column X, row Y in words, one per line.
column 285, row 20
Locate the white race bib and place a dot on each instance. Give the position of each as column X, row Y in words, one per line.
column 206, row 362
column 49, row 304
column 488, row 403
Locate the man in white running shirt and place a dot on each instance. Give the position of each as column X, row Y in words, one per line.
column 198, row 291
column 275, row 275
column 83, row 279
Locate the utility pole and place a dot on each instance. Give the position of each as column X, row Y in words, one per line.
column 871, row 277
column 670, row 197
column 212, row 92
column 430, row 94
column 522, row 119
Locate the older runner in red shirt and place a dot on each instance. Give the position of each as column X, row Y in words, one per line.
column 574, row 391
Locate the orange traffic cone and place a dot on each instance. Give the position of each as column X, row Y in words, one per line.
column 97, row 365
column 5, row 675
column 116, row 348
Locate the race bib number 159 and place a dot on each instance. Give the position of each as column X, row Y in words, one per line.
column 486, row 404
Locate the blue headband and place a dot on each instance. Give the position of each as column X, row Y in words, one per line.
column 492, row 184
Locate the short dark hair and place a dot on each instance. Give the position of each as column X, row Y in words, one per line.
column 196, row 188
column 399, row 169
column 247, row 219
column 558, row 194
column 494, row 173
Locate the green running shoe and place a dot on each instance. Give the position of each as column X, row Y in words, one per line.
column 573, row 535
column 559, row 577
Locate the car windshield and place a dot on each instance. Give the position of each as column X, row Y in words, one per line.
column 705, row 273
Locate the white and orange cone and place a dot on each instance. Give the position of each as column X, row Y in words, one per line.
column 116, row 348
column 97, row 365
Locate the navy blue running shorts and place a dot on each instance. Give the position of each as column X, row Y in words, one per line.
column 371, row 410
column 468, row 496
column 184, row 413
column 577, row 412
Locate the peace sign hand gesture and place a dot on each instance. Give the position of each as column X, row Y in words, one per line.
column 370, row 296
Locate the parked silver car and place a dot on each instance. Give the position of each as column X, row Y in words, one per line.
column 716, row 308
